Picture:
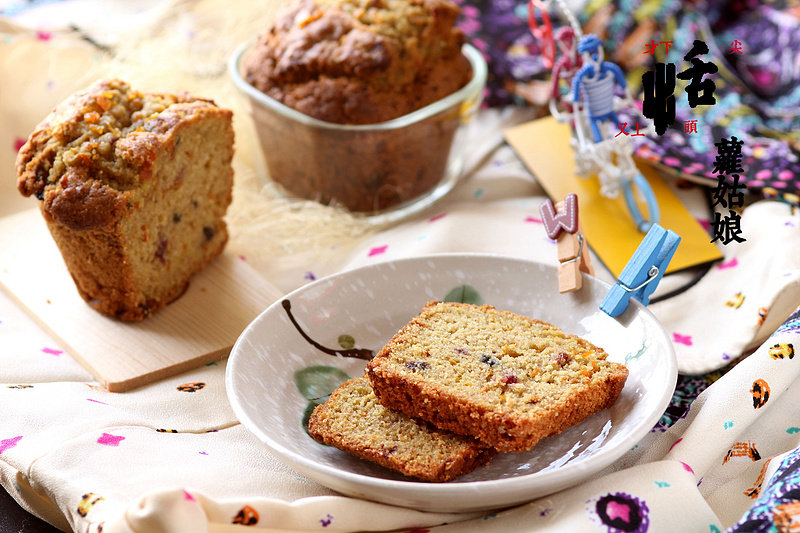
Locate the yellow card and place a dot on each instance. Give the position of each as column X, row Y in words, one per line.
column 543, row 145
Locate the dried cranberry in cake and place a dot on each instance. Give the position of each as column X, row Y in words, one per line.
column 161, row 250
column 562, row 359
column 508, row 379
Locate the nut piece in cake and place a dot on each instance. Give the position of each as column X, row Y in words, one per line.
column 505, row 379
column 133, row 187
column 354, row 421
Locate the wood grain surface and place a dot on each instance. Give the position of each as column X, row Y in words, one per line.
column 199, row 327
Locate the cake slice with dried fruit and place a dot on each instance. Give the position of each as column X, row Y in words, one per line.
column 505, row 379
column 354, row 421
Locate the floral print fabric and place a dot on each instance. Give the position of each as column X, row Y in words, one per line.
column 757, row 91
column 171, row 457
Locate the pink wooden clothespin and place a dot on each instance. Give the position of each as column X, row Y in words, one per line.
column 573, row 252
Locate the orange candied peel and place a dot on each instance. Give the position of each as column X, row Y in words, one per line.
column 104, row 100
column 309, row 19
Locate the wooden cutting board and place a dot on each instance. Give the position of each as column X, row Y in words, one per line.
column 198, row 328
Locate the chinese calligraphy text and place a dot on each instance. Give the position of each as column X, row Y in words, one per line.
column 728, row 165
column 659, row 87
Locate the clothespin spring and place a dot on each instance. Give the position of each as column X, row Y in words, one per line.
column 577, row 258
column 651, row 275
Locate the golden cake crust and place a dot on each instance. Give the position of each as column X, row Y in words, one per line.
column 354, row 421
column 360, row 61
column 106, row 164
column 508, row 380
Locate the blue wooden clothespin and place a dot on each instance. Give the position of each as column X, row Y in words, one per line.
column 645, row 269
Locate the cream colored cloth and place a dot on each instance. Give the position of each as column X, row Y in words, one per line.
column 161, row 459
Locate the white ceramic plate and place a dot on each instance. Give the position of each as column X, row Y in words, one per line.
column 367, row 306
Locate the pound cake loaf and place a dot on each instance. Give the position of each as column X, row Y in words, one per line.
column 354, row 421
column 360, row 61
column 505, row 379
column 133, row 188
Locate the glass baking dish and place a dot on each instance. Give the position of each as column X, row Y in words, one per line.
column 390, row 168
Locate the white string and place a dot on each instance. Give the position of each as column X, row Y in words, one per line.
column 573, row 22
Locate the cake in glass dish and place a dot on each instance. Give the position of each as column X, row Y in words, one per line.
column 357, row 102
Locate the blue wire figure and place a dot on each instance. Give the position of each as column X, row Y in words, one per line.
column 597, row 80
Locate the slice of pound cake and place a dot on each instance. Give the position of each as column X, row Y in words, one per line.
column 505, row 379
column 133, row 187
column 354, row 421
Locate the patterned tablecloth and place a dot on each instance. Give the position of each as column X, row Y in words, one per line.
column 725, row 454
